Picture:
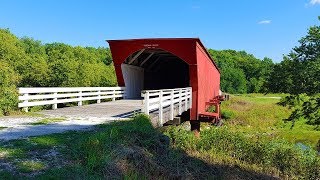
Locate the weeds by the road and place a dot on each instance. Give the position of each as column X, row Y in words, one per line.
column 246, row 147
column 119, row 150
column 224, row 146
column 47, row 121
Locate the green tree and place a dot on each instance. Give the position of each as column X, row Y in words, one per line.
column 12, row 58
column 242, row 72
column 11, row 50
column 299, row 71
column 8, row 92
column 102, row 54
column 233, row 80
column 36, row 68
column 281, row 78
column 27, row 62
column 63, row 65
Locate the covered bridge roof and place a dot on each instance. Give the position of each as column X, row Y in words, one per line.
column 184, row 48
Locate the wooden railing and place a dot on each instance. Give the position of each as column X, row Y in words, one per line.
column 157, row 100
column 53, row 96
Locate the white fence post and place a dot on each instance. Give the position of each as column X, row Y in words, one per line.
column 146, row 103
column 180, row 101
column 99, row 97
column 114, row 95
column 55, row 98
column 171, row 104
column 185, row 99
column 160, row 108
column 80, row 99
column 25, row 101
column 190, row 99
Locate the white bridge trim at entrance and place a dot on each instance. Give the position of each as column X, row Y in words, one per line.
column 159, row 100
column 162, row 105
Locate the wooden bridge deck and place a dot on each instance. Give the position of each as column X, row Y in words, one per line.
column 108, row 110
column 112, row 110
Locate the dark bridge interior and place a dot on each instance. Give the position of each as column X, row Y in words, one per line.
column 162, row 70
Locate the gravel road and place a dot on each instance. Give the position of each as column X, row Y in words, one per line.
column 76, row 118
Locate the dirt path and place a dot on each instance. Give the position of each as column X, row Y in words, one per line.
column 74, row 118
column 22, row 130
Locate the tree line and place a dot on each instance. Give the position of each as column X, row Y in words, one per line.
column 25, row 62
column 242, row 72
column 298, row 74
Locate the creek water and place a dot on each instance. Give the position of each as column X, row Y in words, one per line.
column 305, row 147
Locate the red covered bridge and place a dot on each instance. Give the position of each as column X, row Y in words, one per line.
column 169, row 63
column 172, row 76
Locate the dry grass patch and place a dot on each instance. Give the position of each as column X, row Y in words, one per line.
column 47, row 121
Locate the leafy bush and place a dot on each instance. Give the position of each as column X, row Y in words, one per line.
column 8, row 92
column 294, row 101
column 227, row 114
column 8, row 100
column 95, row 150
column 307, row 107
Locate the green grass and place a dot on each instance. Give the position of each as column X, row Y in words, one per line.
column 253, row 144
column 119, row 150
column 265, row 95
column 301, row 132
column 30, row 166
column 257, row 117
column 19, row 113
column 260, row 154
column 47, row 121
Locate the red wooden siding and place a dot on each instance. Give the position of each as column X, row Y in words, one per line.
column 204, row 74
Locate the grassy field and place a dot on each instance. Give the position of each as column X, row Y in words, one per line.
column 254, row 143
column 259, row 116
column 119, row 150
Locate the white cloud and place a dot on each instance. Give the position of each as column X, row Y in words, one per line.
column 264, row 22
column 314, row 2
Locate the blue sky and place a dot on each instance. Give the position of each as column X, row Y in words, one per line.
column 268, row 28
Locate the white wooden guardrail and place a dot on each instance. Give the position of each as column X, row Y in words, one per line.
column 159, row 99
column 53, row 96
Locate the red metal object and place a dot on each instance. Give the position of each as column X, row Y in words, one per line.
column 204, row 74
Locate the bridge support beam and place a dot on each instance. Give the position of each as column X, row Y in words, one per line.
column 195, row 127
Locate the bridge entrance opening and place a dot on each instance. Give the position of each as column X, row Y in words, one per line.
column 151, row 69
